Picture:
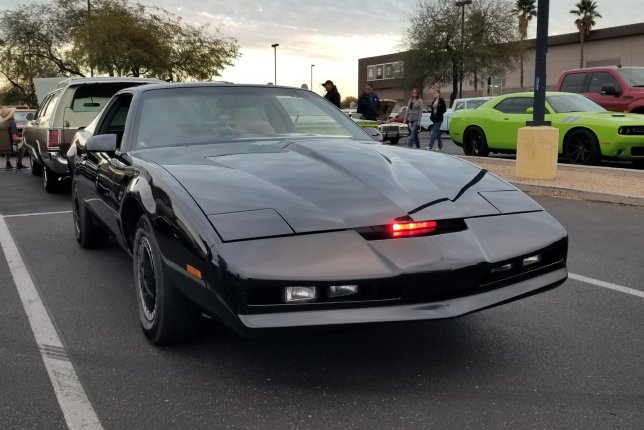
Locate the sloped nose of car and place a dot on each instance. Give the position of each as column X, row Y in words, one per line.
column 320, row 186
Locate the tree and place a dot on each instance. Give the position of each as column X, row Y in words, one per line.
column 115, row 38
column 434, row 48
column 587, row 13
column 525, row 10
column 346, row 103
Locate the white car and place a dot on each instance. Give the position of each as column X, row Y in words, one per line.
column 460, row 104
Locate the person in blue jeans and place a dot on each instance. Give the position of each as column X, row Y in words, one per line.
column 438, row 108
column 414, row 112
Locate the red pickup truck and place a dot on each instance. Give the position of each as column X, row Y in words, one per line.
column 615, row 88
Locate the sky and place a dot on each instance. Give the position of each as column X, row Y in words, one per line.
column 332, row 34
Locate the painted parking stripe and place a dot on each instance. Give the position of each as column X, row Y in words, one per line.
column 73, row 401
column 37, row 214
column 608, row 285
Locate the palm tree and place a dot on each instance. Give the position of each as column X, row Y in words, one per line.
column 525, row 10
column 587, row 12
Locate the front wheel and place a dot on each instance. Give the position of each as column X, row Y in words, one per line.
column 475, row 143
column 394, row 140
column 165, row 315
column 581, row 147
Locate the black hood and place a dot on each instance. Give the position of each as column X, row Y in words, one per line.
column 318, row 185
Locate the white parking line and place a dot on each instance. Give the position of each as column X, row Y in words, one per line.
column 608, row 285
column 37, row 214
column 73, row 401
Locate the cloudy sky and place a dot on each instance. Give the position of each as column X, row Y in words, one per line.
column 332, row 34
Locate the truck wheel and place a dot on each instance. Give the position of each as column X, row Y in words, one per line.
column 581, row 147
column 89, row 234
column 165, row 315
column 49, row 180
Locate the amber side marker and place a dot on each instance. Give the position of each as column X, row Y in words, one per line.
column 193, row 271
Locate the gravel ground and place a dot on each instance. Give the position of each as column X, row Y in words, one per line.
column 625, row 185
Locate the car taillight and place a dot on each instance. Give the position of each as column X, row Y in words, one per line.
column 53, row 138
column 409, row 229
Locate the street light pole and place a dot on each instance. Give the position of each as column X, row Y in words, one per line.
column 311, row 87
column 462, row 5
column 274, row 46
column 89, row 29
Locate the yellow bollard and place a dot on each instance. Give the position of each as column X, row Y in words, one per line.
column 537, row 151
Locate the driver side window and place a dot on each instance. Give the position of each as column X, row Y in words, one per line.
column 115, row 117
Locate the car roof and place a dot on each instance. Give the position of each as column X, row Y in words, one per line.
column 613, row 67
column 163, row 85
column 104, row 79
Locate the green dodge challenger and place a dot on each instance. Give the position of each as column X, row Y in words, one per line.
column 587, row 131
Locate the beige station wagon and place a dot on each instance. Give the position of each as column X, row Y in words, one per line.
column 72, row 105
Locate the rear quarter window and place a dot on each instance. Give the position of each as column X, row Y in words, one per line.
column 573, row 83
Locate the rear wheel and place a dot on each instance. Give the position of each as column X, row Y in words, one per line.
column 36, row 169
column 475, row 143
column 89, row 234
column 165, row 315
column 49, row 180
column 581, row 147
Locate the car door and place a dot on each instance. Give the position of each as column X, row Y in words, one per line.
column 612, row 102
column 512, row 114
column 104, row 167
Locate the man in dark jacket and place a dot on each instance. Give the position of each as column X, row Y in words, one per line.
column 332, row 93
column 368, row 103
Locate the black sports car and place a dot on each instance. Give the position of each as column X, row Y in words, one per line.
column 267, row 207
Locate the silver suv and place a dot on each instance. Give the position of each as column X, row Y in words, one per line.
column 72, row 105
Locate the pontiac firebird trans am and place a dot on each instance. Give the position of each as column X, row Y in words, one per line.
column 266, row 207
column 587, row 131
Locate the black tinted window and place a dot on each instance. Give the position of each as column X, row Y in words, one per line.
column 599, row 79
column 574, row 83
column 514, row 105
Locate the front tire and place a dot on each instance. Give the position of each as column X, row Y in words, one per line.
column 475, row 143
column 165, row 315
column 89, row 234
column 394, row 140
column 581, row 147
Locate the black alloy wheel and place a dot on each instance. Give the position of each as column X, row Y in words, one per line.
column 49, row 180
column 166, row 316
column 581, row 147
column 475, row 143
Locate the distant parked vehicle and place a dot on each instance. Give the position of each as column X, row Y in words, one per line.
column 615, row 88
column 72, row 105
column 460, row 104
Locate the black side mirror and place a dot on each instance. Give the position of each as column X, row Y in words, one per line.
column 101, row 143
column 609, row 90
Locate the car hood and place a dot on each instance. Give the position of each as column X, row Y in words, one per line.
column 318, row 185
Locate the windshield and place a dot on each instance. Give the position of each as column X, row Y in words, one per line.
column 562, row 103
column 210, row 114
column 634, row 77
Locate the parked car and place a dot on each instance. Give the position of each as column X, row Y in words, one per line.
column 393, row 131
column 587, row 132
column 72, row 105
column 460, row 104
column 235, row 206
column 359, row 119
column 425, row 122
column 615, row 88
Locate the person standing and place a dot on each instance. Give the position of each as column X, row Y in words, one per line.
column 368, row 103
column 332, row 93
column 412, row 117
column 438, row 108
column 6, row 120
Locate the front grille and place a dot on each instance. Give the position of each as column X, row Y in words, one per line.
column 414, row 288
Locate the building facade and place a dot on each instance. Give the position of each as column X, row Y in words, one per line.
column 623, row 45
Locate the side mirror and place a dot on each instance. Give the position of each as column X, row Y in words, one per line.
column 29, row 116
column 609, row 90
column 529, row 110
column 374, row 133
column 101, row 143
